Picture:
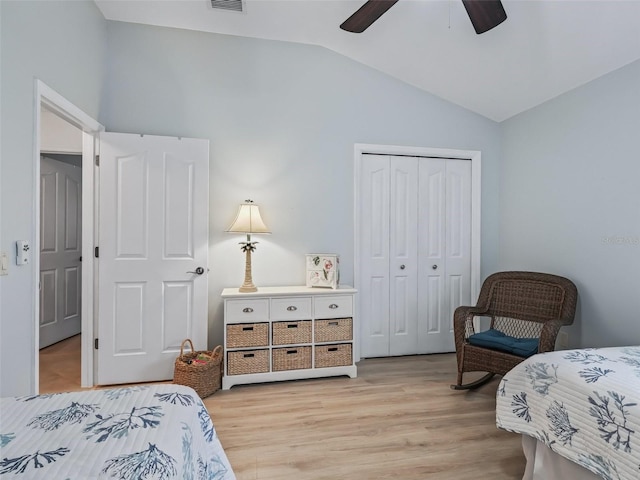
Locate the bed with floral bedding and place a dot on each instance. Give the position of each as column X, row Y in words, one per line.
column 583, row 405
column 158, row 432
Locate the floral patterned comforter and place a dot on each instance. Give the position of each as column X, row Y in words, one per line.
column 583, row 404
column 155, row 432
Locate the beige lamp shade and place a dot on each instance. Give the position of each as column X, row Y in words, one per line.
column 248, row 220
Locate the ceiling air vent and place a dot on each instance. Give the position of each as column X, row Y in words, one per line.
column 233, row 5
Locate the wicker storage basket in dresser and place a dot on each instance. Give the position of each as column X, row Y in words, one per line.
column 248, row 335
column 290, row 333
column 333, row 355
column 333, row 330
column 291, row 358
column 243, row 362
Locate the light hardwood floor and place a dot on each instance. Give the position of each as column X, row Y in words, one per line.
column 60, row 366
column 399, row 419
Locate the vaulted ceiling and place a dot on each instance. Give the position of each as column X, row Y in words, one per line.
column 543, row 49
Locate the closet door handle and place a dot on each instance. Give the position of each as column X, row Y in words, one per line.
column 402, row 267
column 435, row 267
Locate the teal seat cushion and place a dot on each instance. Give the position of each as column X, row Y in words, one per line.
column 523, row 347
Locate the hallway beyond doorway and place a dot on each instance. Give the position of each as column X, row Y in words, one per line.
column 60, row 366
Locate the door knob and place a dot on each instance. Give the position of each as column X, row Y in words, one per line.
column 435, row 267
column 402, row 267
column 199, row 271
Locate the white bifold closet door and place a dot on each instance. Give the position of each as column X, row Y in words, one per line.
column 414, row 252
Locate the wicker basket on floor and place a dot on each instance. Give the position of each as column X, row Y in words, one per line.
column 204, row 378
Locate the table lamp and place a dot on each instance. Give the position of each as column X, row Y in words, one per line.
column 248, row 221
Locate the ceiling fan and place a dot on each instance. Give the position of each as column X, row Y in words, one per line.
column 484, row 14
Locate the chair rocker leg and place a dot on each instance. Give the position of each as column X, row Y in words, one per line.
column 474, row 384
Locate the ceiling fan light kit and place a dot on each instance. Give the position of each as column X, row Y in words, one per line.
column 484, row 14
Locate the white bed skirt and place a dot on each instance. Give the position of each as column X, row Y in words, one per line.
column 544, row 464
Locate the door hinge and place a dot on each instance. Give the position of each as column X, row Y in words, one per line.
column 97, row 160
column 96, row 252
column 95, row 343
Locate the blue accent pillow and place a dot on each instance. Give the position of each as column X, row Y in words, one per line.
column 523, row 347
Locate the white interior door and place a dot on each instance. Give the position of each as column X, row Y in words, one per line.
column 153, row 239
column 445, row 254
column 403, row 265
column 373, row 252
column 60, row 250
column 457, row 251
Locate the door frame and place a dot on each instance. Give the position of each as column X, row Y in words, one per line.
column 52, row 100
column 474, row 156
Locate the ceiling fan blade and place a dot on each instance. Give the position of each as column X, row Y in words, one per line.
column 485, row 14
column 366, row 15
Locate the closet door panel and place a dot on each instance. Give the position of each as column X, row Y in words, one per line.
column 403, row 262
column 458, row 242
column 374, row 255
column 432, row 262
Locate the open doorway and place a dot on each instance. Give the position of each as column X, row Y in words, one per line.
column 60, row 253
column 48, row 101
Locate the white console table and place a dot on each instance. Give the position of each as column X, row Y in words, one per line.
column 287, row 333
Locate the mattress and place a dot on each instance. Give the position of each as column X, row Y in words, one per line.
column 155, row 432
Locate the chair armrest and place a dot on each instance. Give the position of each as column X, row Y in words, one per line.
column 549, row 334
column 462, row 322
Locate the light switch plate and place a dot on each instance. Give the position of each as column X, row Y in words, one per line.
column 23, row 252
column 4, row 263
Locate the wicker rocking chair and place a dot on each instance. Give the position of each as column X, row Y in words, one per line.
column 524, row 308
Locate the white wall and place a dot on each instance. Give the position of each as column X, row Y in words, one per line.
column 282, row 119
column 58, row 135
column 571, row 202
column 63, row 44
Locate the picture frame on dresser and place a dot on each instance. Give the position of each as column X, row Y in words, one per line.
column 288, row 333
